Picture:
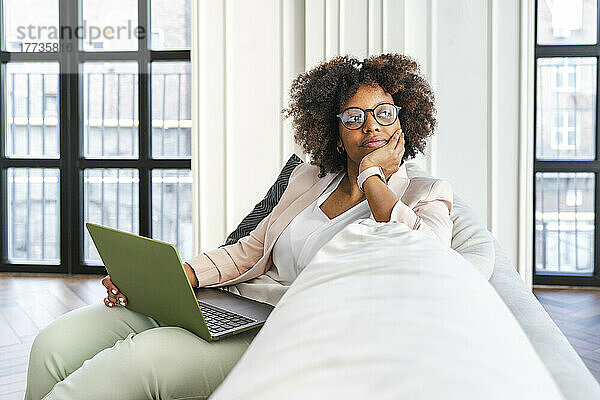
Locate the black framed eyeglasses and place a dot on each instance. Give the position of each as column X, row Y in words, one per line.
column 355, row 117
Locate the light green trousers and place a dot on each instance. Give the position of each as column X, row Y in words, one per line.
column 97, row 352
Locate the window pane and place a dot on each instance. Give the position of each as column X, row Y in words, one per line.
column 566, row 22
column 27, row 21
column 32, row 110
column 110, row 25
column 564, row 223
column 171, row 24
column 172, row 209
column 110, row 98
column 33, row 215
column 566, row 108
column 110, row 199
column 171, row 110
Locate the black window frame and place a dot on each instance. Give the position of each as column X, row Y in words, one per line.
column 589, row 166
column 71, row 135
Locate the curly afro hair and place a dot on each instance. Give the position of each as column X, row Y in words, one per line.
column 316, row 97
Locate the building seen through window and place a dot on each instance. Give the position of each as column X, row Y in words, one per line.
column 115, row 107
column 566, row 134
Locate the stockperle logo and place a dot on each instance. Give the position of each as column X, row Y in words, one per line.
column 84, row 32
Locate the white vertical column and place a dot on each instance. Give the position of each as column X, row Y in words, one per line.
column 254, row 97
column 460, row 75
column 237, row 132
column 208, row 145
column 526, row 132
column 392, row 24
column 418, row 44
column 504, row 105
column 375, row 27
column 292, row 54
column 354, row 28
column 314, row 25
column 331, row 19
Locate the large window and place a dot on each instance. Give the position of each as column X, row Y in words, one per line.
column 95, row 125
column 567, row 155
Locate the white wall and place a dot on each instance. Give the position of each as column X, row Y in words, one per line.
column 246, row 54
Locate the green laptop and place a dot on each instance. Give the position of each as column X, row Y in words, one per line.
column 150, row 273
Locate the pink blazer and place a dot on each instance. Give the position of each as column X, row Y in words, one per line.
column 425, row 206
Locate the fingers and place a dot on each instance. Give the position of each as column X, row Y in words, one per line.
column 105, row 281
column 399, row 139
column 117, row 299
column 108, row 303
column 393, row 140
column 114, row 296
column 121, row 299
column 112, row 301
column 109, row 285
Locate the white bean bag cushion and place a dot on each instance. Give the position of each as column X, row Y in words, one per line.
column 385, row 312
column 469, row 237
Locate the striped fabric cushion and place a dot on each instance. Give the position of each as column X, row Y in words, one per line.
column 264, row 207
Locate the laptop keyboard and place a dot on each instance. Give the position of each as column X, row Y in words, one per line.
column 219, row 320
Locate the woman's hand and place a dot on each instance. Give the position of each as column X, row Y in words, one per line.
column 388, row 156
column 114, row 296
column 191, row 275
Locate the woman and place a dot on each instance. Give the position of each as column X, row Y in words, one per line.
column 359, row 121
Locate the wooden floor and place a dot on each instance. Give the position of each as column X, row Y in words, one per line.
column 577, row 314
column 29, row 302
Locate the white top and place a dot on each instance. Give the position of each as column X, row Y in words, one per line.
column 308, row 232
